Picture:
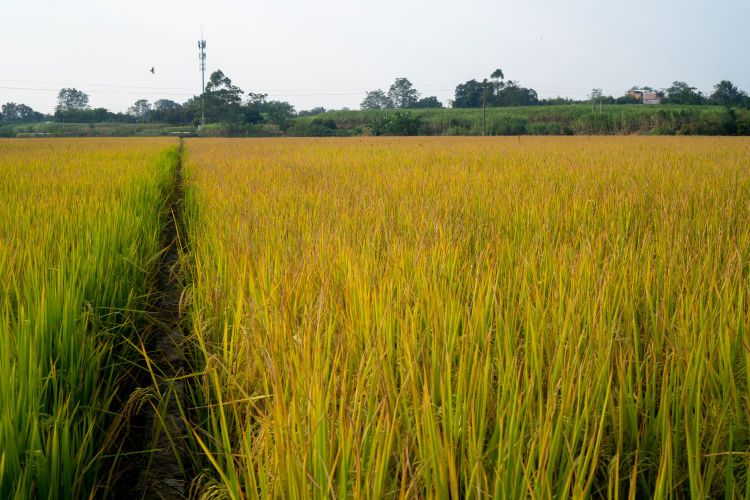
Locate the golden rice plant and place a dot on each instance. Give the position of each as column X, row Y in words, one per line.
column 79, row 231
column 469, row 318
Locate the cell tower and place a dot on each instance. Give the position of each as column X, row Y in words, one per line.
column 202, row 59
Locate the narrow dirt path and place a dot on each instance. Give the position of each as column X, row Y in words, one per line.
column 159, row 427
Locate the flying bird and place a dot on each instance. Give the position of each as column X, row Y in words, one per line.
column 152, row 70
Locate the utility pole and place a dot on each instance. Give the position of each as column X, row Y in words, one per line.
column 202, row 59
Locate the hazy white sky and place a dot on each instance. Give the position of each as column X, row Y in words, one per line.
column 328, row 52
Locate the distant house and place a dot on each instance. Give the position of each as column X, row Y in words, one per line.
column 645, row 96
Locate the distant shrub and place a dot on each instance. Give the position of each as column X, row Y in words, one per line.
column 551, row 128
column 508, row 126
column 743, row 125
column 397, row 123
column 318, row 127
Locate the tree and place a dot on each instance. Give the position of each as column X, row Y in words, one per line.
column 140, row 109
column 489, row 89
column 168, row 111
column 253, row 107
column 71, row 100
column 279, row 113
column 222, row 100
column 402, row 93
column 258, row 109
column 12, row 112
column 376, row 99
column 428, row 102
column 220, row 88
column 254, row 99
column 165, row 105
column 512, row 94
column 647, row 88
column 727, row 94
column 468, row 95
column 312, row 112
column 682, row 93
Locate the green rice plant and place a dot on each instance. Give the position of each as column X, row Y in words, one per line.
column 79, row 231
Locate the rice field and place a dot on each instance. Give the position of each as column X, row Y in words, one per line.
column 79, row 227
column 469, row 318
column 384, row 317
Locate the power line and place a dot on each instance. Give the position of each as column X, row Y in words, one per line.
column 277, row 93
column 94, row 85
column 88, row 91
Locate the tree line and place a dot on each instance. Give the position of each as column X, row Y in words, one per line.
column 495, row 91
column 221, row 102
column 224, row 102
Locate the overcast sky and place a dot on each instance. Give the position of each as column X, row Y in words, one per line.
column 328, row 52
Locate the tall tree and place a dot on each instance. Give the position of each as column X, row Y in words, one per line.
column 12, row 112
column 140, row 109
column 376, row 99
column 221, row 89
column 166, row 110
column 682, row 93
column 513, row 94
column 727, row 94
column 428, row 102
column 402, row 93
column 71, row 100
column 165, row 105
column 222, row 100
column 468, row 95
column 489, row 89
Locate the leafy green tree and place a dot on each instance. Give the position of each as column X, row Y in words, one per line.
column 647, row 88
column 168, row 111
column 256, row 99
column 402, row 93
column 312, row 112
column 428, row 102
column 682, row 93
column 140, row 109
column 512, row 94
column 222, row 100
column 468, row 95
column 279, row 113
column 12, row 112
column 492, row 86
column 70, row 99
column 166, row 105
column 222, row 90
column 253, row 107
column 376, row 99
column 727, row 94
column 258, row 109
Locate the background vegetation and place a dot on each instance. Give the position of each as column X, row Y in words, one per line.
column 224, row 109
